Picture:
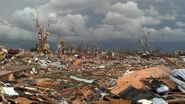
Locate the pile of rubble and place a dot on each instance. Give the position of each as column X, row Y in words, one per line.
column 32, row 78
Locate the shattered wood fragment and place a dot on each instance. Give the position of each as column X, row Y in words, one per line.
column 113, row 101
column 179, row 95
column 5, row 101
column 52, row 101
column 15, row 70
column 77, row 62
column 176, row 101
column 28, row 89
column 134, row 78
column 44, row 82
column 169, row 83
column 67, row 92
column 172, row 62
column 101, row 102
column 120, row 101
column 78, row 101
column 22, row 100
column 86, row 91
column 11, row 77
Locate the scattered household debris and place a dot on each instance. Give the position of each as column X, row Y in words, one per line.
column 31, row 77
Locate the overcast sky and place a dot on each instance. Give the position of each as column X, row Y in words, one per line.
column 94, row 20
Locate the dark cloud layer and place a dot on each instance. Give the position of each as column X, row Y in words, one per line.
column 96, row 20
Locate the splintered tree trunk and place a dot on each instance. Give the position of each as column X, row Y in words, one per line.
column 62, row 46
column 42, row 35
column 41, row 43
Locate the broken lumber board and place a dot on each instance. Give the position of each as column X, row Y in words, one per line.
column 172, row 63
column 5, row 72
column 134, row 78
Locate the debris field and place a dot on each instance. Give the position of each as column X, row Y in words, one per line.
column 34, row 78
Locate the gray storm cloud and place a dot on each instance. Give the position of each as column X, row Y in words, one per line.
column 122, row 19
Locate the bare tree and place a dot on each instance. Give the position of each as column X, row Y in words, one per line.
column 61, row 46
column 43, row 46
column 144, row 41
